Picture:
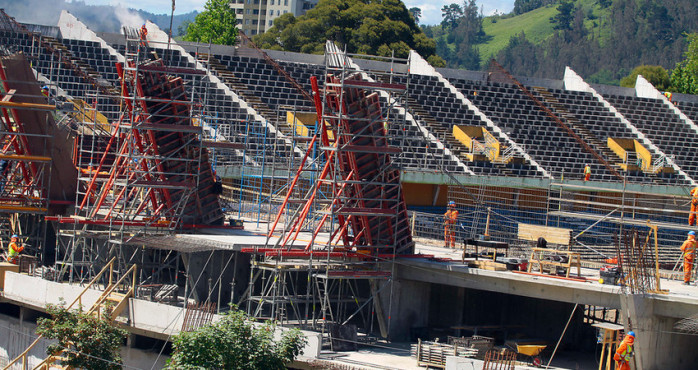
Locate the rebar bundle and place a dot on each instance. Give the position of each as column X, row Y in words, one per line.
column 638, row 262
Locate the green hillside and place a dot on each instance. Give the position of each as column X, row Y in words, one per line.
column 535, row 24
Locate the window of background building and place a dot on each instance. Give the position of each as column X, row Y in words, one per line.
column 285, row 11
column 278, row 13
column 272, row 2
column 271, row 23
column 285, row 2
column 247, row 21
column 255, row 12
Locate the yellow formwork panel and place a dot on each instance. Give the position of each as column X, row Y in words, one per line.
column 303, row 124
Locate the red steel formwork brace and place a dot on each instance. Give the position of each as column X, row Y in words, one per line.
column 367, row 200
column 24, row 163
column 158, row 171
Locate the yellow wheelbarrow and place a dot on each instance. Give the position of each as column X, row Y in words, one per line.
column 532, row 351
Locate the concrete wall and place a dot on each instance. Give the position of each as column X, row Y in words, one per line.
column 18, row 335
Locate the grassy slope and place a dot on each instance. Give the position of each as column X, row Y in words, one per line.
column 535, row 24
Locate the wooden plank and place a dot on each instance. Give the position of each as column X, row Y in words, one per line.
column 555, row 235
column 488, row 265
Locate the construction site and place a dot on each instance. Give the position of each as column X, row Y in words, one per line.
column 177, row 181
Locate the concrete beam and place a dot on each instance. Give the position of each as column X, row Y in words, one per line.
column 510, row 283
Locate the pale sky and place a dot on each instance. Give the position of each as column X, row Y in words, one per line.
column 431, row 10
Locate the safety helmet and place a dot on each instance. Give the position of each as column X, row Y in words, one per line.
column 451, row 204
column 631, row 334
column 692, row 233
column 14, row 236
column 45, row 87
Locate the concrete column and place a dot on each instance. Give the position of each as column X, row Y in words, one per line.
column 657, row 345
column 409, row 308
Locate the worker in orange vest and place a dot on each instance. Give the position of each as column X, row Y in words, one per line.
column 15, row 248
column 587, row 172
column 625, row 351
column 450, row 218
column 689, row 250
column 143, row 34
column 694, row 207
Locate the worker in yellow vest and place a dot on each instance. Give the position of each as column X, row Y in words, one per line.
column 450, row 218
column 694, row 207
column 15, row 248
column 587, row 172
column 625, row 351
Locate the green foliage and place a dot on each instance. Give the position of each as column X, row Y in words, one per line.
column 94, row 343
column 375, row 27
column 451, row 14
column 684, row 78
column 523, row 6
column 656, row 75
column 416, row 14
column 563, row 19
column 235, row 343
column 216, row 24
column 535, row 24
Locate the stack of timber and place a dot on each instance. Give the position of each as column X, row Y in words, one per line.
column 433, row 354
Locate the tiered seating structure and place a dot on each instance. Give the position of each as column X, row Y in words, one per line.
column 515, row 113
column 664, row 128
column 436, row 106
column 589, row 115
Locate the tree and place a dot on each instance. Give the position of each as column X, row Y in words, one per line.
column 656, row 75
column 94, row 343
column 563, row 19
column 451, row 14
column 216, row 24
column 684, row 78
column 376, row 27
column 235, row 342
column 182, row 29
column 416, row 14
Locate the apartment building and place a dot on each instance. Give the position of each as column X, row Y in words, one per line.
column 257, row 16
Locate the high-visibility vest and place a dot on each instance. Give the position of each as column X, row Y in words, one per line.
column 15, row 249
column 587, row 170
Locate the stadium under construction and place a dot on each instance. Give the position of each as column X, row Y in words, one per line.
column 176, row 181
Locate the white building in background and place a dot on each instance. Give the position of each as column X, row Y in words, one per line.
column 257, row 16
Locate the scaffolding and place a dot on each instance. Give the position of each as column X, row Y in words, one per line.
column 328, row 262
column 26, row 134
column 146, row 175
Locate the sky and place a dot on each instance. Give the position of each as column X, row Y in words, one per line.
column 431, row 9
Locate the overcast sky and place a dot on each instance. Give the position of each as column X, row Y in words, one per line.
column 431, row 9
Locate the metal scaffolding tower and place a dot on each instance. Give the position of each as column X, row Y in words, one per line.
column 145, row 175
column 331, row 262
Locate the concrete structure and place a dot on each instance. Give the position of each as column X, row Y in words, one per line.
column 256, row 16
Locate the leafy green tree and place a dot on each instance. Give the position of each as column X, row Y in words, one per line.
column 451, row 14
column 216, row 24
column 684, row 78
column 93, row 343
column 416, row 14
column 563, row 19
column 656, row 75
column 234, row 342
column 376, row 27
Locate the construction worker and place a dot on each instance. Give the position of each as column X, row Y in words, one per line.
column 625, row 351
column 143, row 34
column 44, row 90
column 14, row 249
column 689, row 250
column 694, row 207
column 587, row 172
column 450, row 218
